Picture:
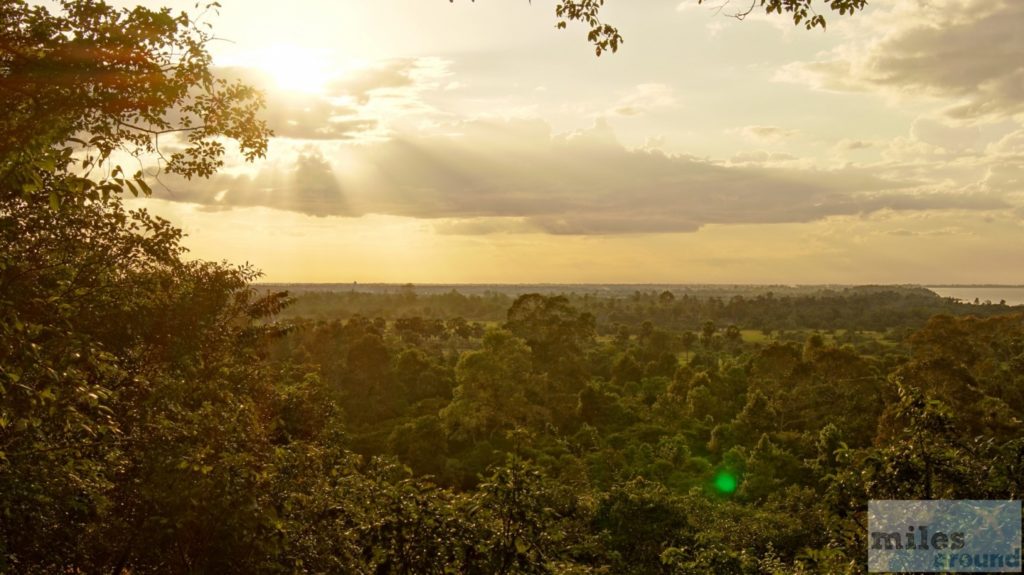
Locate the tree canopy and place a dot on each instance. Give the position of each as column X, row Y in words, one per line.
column 89, row 80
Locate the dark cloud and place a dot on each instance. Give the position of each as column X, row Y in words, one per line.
column 308, row 185
column 590, row 184
column 515, row 176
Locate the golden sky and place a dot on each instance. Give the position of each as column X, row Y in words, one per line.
column 425, row 141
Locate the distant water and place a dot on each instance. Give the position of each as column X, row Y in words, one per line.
column 1014, row 295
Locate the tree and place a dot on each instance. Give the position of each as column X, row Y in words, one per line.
column 125, row 371
column 666, row 298
column 128, row 374
column 88, row 80
column 557, row 334
column 605, row 37
column 707, row 334
column 641, row 520
column 492, row 386
column 801, row 11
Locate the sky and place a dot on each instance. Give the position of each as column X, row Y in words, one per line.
column 433, row 142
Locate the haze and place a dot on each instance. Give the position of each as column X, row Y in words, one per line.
column 472, row 142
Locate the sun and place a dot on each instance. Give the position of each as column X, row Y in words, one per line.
column 296, row 68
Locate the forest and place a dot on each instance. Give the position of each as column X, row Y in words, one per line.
column 555, row 440
column 162, row 414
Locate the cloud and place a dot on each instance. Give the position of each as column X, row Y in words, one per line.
column 482, row 226
column 1005, row 173
column 382, row 76
column 846, row 145
column 944, row 135
column 1010, row 144
column 761, row 157
column 310, row 117
column 969, row 52
column 946, row 231
column 765, row 134
column 307, row 184
column 1006, row 177
column 351, row 105
column 303, row 116
column 644, row 98
column 509, row 176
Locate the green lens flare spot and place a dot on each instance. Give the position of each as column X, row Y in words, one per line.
column 725, row 482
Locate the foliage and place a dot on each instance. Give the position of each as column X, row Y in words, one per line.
column 802, row 11
column 855, row 314
column 605, row 37
column 809, row 432
column 148, row 395
column 90, row 80
column 155, row 416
